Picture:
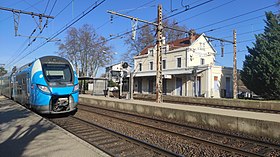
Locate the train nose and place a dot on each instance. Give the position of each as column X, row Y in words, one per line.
column 61, row 90
column 62, row 103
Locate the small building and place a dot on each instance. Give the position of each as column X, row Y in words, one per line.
column 94, row 86
column 113, row 72
column 188, row 69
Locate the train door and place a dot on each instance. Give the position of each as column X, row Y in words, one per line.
column 25, row 88
column 28, row 88
column 14, row 86
column 18, row 89
column 23, row 91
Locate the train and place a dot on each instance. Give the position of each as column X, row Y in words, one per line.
column 48, row 85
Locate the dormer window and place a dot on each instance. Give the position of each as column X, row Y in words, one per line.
column 151, row 52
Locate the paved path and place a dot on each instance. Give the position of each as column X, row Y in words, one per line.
column 24, row 133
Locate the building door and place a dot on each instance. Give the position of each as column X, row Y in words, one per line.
column 198, row 86
column 150, row 88
column 139, row 86
column 179, row 86
column 228, row 87
column 164, row 86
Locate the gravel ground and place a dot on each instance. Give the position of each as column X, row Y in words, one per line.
column 167, row 141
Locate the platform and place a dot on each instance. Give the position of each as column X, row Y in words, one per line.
column 261, row 125
column 24, row 133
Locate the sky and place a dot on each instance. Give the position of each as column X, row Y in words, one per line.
column 216, row 18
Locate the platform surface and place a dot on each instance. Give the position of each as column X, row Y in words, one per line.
column 200, row 109
column 24, row 133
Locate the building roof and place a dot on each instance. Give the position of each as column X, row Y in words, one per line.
column 184, row 42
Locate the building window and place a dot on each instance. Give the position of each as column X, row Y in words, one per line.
column 178, row 62
column 164, row 50
column 151, row 52
column 140, row 66
column 163, row 64
column 202, row 61
column 151, row 65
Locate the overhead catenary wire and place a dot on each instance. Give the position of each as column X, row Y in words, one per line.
column 75, row 20
column 4, row 19
column 30, row 43
column 31, row 5
column 242, row 21
column 234, row 17
column 164, row 18
column 187, row 8
column 105, row 23
column 54, row 6
column 206, row 11
column 46, row 6
column 23, row 50
column 18, row 51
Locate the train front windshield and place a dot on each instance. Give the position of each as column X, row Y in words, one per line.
column 57, row 73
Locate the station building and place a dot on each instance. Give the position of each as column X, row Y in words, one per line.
column 188, row 68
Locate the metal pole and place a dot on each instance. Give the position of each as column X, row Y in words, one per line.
column 159, row 57
column 121, row 81
column 234, row 66
column 131, row 86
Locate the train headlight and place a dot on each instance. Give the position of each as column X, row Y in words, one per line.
column 76, row 87
column 44, row 88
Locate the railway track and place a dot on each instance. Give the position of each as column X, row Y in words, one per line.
column 109, row 141
column 243, row 108
column 236, row 145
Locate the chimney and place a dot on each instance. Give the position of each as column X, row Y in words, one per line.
column 192, row 35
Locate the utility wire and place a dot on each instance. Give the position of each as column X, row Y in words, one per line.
column 31, row 5
column 126, row 13
column 45, row 25
column 125, row 33
column 240, row 34
column 236, row 16
column 187, row 8
column 53, row 6
column 207, row 11
column 83, row 14
column 46, row 6
column 64, row 8
column 4, row 19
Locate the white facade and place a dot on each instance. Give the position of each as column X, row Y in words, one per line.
column 179, row 60
column 113, row 72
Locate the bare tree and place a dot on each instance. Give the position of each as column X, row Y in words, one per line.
column 147, row 36
column 2, row 71
column 86, row 50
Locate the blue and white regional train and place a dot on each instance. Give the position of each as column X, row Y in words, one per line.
column 49, row 85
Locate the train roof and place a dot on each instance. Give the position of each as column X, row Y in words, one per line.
column 45, row 59
column 53, row 59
